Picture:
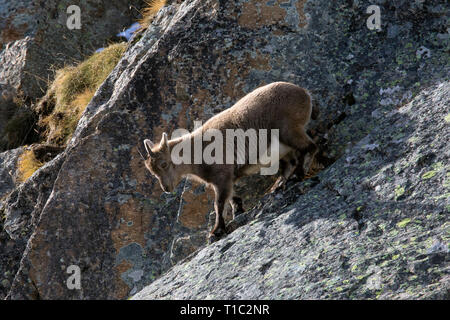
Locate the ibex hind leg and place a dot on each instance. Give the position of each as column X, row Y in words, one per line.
column 219, row 226
column 309, row 155
column 305, row 149
column 236, row 206
column 288, row 165
column 223, row 194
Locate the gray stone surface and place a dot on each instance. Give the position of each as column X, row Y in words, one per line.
column 19, row 215
column 12, row 63
column 103, row 212
column 8, row 170
column 35, row 41
column 374, row 225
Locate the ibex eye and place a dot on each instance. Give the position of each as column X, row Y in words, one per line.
column 163, row 165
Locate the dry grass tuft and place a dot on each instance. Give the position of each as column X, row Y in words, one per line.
column 73, row 88
column 153, row 6
column 27, row 165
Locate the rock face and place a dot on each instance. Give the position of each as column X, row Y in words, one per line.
column 34, row 39
column 19, row 215
column 101, row 210
column 10, row 251
column 8, row 169
column 17, row 20
column 373, row 225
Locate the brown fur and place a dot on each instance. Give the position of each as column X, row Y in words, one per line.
column 279, row 105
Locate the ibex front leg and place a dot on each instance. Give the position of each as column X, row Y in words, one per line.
column 223, row 192
column 219, row 206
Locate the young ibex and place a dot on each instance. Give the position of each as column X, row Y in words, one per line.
column 278, row 106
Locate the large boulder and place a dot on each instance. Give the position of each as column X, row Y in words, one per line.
column 17, row 20
column 19, row 215
column 35, row 40
column 107, row 215
column 374, row 224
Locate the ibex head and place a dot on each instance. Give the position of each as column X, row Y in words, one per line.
column 159, row 163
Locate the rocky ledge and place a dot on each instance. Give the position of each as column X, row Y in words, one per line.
column 373, row 225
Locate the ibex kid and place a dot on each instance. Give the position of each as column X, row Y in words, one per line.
column 278, row 106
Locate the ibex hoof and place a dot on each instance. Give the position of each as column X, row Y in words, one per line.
column 239, row 209
column 216, row 235
column 212, row 238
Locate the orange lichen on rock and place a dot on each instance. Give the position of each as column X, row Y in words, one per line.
column 233, row 72
column 122, row 289
column 133, row 225
column 12, row 31
column 301, row 13
column 256, row 14
column 138, row 168
column 259, row 61
column 202, row 97
column 196, row 207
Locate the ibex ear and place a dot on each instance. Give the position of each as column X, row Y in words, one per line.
column 148, row 146
column 164, row 141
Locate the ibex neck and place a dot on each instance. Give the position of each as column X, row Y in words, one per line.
column 187, row 167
